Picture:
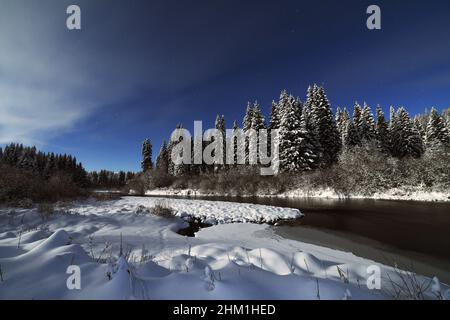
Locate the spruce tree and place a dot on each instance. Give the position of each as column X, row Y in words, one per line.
column 406, row 141
column 220, row 125
column 328, row 134
column 290, row 138
column 350, row 137
column 437, row 133
column 258, row 123
column 274, row 122
column 246, row 126
column 382, row 131
column 146, row 163
column 367, row 125
column 162, row 161
column 357, row 122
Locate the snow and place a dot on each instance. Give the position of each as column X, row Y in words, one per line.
column 404, row 194
column 225, row 261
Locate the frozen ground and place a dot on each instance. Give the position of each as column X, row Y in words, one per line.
column 226, row 261
column 405, row 193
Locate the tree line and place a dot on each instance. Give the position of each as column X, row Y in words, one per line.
column 27, row 173
column 311, row 136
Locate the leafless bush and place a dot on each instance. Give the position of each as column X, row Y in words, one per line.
column 405, row 285
column 45, row 210
column 138, row 185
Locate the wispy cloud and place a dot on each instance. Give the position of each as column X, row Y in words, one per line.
column 42, row 91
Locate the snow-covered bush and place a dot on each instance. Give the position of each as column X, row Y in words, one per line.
column 162, row 209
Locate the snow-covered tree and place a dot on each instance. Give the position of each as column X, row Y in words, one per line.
column 419, row 127
column 258, row 123
column 392, row 117
column 146, row 163
column 367, row 125
column 274, row 122
column 357, row 122
column 246, row 126
column 162, row 161
column 328, row 134
column 220, row 125
column 382, row 131
column 350, row 137
column 248, row 118
column 290, row 138
column 437, row 133
column 405, row 139
column 298, row 149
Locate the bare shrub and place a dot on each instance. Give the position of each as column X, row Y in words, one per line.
column 138, row 185
column 45, row 210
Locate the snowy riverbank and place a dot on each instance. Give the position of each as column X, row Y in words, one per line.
column 226, row 261
column 403, row 194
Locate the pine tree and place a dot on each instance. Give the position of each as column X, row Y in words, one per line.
column 248, row 118
column 146, row 163
column 162, row 161
column 177, row 169
column 350, row 138
column 437, row 133
column 406, row 141
column 393, row 116
column 328, row 134
column 258, row 123
column 290, row 138
column 274, row 122
column 357, row 122
column 220, row 125
column 246, row 126
column 367, row 125
column 382, row 131
column 339, row 119
column 311, row 97
column 419, row 127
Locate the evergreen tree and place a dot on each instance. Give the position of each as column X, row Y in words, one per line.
column 339, row 119
column 328, row 134
column 290, row 138
column 437, row 133
column 367, row 124
column 258, row 123
column 350, row 138
column 357, row 122
column 419, row 127
column 220, row 125
column 406, row 141
column 246, row 126
column 146, row 163
column 162, row 161
column 382, row 131
column 274, row 122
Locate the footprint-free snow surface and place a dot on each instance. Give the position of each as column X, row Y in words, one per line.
column 124, row 251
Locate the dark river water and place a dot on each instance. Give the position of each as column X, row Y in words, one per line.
column 408, row 233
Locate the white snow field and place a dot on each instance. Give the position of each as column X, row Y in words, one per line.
column 225, row 261
column 403, row 193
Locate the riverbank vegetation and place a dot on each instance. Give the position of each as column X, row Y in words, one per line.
column 359, row 154
column 28, row 175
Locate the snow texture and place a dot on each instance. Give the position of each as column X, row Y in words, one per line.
column 226, row 261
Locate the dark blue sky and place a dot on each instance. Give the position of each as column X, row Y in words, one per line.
column 137, row 68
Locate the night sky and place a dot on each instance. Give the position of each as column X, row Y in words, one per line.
column 137, row 68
